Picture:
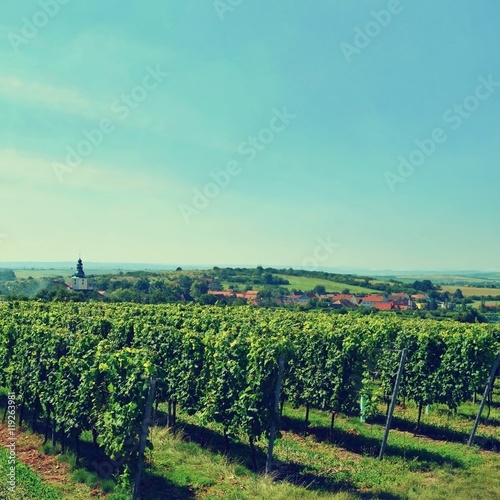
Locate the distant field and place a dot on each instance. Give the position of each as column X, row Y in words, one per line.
column 47, row 273
column 42, row 273
column 469, row 291
column 477, row 303
column 304, row 283
column 440, row 278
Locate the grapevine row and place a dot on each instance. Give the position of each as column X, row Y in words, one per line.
column 86, row 367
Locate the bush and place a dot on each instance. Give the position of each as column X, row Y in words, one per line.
column 49, row 449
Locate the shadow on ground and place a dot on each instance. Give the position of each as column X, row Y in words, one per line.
column 240, row 452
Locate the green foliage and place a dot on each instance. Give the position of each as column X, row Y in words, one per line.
column 50, row 449
column 85, row 477
column 89, row 365
column 7, row 275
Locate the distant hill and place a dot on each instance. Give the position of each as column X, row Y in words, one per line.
column 333, row 279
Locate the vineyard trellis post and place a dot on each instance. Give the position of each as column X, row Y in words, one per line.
column 275, row 414
column 395, row 394
column 144, row 436
column 487, row 390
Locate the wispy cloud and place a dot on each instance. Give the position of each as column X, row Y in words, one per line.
column 65, row 100
column 28, row 169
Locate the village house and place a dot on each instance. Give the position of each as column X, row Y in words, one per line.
column 371, row 300
column 250, row 295
column 397, row 301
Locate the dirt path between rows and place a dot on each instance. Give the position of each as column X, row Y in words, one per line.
column 48, row 467
column 50, row 470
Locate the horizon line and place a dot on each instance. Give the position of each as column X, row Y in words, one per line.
column 235, row 266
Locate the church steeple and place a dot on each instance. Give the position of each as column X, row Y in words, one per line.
column 78, row 281
column 79, row 269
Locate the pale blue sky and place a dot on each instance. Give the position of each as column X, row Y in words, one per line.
column 357, row 105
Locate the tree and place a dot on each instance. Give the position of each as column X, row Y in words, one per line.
column 142, row 285
column 432, row 305
column 319, row 289
column 423, row 286
column 313, row 303
column 207, row 299
column 268, row 278
column 7, row 275
column 125, row 295
column 216, row 285
column 199, row 288
column 458, row 295
column 240, row 301
column 269, row 296
column 185, row 283
column 469, row 315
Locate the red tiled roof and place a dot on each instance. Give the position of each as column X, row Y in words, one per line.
column 384, row 306
column 342, row 296
column 374, row 298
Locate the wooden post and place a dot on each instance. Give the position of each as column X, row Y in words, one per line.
column 487, row 390
column 393, row 403
column 169, row 414
column 275, row 415
column 144, row 436
column 362, row 407
column 54, row 430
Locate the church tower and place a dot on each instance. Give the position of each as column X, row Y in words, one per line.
column 78, row 281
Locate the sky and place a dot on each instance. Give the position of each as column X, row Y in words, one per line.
column 319, row 134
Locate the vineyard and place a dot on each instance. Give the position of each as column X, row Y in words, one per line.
column 88, row 368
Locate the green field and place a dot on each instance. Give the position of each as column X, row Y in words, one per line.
column 305, row 284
